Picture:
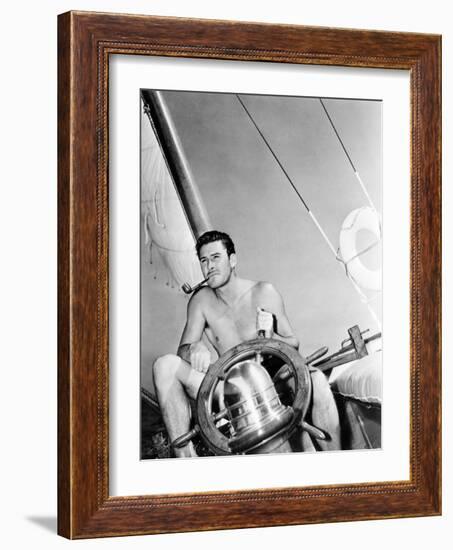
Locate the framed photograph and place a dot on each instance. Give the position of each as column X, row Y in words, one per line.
column 249, row 275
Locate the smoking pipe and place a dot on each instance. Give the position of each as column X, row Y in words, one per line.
column 188, row 289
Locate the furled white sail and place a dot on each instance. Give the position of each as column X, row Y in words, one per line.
column 167, row 232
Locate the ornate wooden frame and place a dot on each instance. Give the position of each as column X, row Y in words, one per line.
column 85, row 41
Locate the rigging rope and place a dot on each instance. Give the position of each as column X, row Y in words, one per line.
column 272, row 152
column 363, row 297
column 357, row 175
column 313, row 217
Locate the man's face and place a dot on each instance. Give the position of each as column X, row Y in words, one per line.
column 216, row 263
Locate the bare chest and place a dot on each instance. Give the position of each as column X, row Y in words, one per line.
column 228, row 326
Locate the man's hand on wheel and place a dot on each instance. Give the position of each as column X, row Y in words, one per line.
column 200, row 356
column 265, row 322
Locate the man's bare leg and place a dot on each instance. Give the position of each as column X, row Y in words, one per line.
column 324, row 413
column 175, row 382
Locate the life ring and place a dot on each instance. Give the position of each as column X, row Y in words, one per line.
column 360, row 218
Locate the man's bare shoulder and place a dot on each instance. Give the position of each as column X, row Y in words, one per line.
column 201, row 297
column 264, row 288
column 267, row 296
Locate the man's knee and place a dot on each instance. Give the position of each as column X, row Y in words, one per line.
column 164, row 368
column 321, row 386
column 324, row 412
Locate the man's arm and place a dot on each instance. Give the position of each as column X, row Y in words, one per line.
column 272, row 302
column 184, row 352
column 191, row 348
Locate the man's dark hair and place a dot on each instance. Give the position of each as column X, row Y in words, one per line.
column 212, row 237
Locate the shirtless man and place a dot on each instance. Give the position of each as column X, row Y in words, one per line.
column 229, row 311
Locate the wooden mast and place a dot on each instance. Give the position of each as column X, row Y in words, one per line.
column 159, row 115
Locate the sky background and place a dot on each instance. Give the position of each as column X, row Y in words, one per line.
column 247, row 195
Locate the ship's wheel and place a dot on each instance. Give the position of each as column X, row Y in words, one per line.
column 212, row 427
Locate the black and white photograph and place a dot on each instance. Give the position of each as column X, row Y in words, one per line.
column 261, row 275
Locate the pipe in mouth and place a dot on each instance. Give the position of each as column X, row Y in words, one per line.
column 188, row 289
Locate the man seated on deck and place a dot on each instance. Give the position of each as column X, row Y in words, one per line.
column 229, row 310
